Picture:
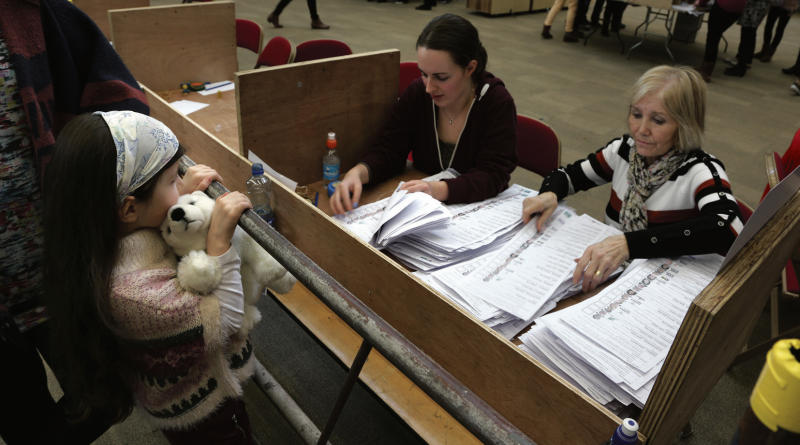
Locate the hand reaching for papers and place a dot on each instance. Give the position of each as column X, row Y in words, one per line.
column 437, row 189
column 544, row 204
column 600, row 260
column 348, row 192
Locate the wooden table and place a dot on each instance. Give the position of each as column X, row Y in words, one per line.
column 218, row 118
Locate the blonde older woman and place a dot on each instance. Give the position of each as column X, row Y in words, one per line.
column 668, row 196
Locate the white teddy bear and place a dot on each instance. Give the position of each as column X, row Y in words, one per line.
column 185, row 230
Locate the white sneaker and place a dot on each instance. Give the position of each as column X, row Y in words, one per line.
column 795, row 87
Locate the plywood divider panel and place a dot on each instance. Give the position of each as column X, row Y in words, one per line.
column 97, row 10
column 166, row 45
column 201, row 146
column 527, row 394
column 285, row 112
column 718, row 324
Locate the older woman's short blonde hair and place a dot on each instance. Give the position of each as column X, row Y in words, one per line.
column 683, row 94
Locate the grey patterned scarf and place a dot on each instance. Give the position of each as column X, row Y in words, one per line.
column 642, row 182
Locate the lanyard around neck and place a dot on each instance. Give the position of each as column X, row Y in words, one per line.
column 436, row 133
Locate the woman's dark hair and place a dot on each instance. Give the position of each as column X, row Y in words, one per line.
column 457, row 36
column 81, row 232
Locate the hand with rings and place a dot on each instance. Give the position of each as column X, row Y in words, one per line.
column 599, row 261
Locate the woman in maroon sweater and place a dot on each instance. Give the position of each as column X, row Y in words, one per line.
column 456, row 115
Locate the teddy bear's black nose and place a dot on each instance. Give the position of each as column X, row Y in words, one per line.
column 177, row 214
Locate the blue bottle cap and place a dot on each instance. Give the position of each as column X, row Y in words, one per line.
column 257, row 169
column 332, row 187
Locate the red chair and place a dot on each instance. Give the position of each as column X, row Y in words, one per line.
column 777, row 168
column 278, row 51
column 409, row 72
column 538, row 147
column 249, row 35
column 321, row 49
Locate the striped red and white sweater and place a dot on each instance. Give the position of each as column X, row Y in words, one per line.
column 693, row 212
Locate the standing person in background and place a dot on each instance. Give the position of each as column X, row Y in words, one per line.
column 54, row 64
column 316, row 23
column 723, row 14
column 570, row 34
column 752, row 15
column 780, row 14
column 456, row 115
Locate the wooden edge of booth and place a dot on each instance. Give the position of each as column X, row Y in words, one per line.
column 718, row 325
column 771, row 169
column 188, row 37
column 350, row 95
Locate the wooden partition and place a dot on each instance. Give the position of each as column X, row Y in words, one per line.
column 166, row 45
column 285, row 112
column 97, row 10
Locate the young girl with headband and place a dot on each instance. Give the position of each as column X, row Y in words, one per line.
column 125, row 330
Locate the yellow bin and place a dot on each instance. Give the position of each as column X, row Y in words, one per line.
column 775, row 398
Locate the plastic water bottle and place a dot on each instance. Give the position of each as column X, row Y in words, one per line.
column 330, row 162
column 259, row 190
column 625, row 433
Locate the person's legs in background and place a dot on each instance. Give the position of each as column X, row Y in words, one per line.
column 580, row 20
column 571, row 34
column 747, row 46
column 612, row 16
column 598, row 9
column 551, row 16
column 753, row 14
column 771, row 44
column 719, row 20
column 316, row 23
column 794, row 69
column 273, row 16
column 772, row 17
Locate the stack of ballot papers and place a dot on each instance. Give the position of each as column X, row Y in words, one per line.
column 474, row 229
column 525, row 277
column 382, row 222
column 614, row 344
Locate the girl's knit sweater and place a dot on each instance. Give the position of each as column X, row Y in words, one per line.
column 182, row 365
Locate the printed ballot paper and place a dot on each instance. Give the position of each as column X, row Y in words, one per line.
column 401, row 214
column 614, row 344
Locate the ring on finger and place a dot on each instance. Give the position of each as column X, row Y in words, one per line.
column 597, row 273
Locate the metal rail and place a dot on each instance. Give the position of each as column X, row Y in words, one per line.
column 469, row 409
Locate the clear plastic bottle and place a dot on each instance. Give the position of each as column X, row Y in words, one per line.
column 330, row 162
column 259, row 190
